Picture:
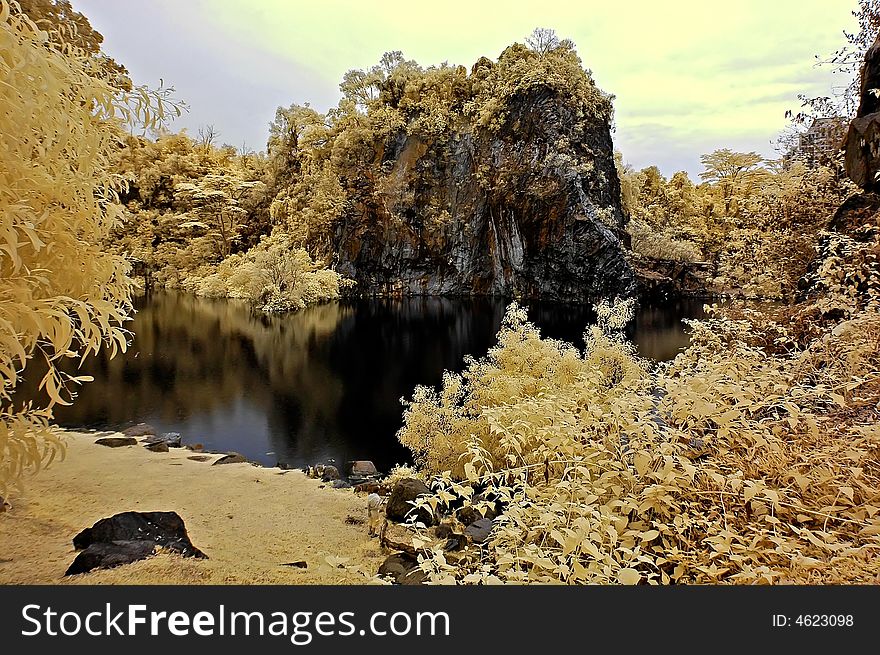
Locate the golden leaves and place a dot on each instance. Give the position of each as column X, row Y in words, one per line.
column 61, row 294
column 743, row 477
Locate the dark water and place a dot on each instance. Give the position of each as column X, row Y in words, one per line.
column 319, row 385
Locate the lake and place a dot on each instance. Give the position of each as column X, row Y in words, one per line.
column 319, row 386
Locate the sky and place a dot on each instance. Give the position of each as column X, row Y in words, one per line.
column 688, row 76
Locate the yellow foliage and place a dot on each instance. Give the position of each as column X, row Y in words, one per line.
column 275, row 274
column 61, row 294
column 735, row 463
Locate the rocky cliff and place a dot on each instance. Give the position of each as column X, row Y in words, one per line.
column 863, row 138
column 525, row 205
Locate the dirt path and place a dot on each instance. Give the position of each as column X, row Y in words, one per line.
column 248, row 520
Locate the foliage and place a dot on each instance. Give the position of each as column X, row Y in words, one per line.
column 188, row 204
column 748, row 459
column 755, row 221
column 61, row 294
column 66, row 26
column 275, row 275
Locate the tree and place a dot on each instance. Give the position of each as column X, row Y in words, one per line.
column 207, row 136
column 731, row 171
column 62, row 295
column 217, row 202
column 542, row 40
column 285, row 134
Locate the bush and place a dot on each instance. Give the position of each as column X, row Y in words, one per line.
column 748, row 459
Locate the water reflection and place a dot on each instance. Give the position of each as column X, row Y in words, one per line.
column 319, row 385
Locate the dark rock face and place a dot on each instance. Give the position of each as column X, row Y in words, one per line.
column 158, row 528
column 531, row 210
column 659, row 279
column 863, row 139
column 399, row 504
column 857, row 210
column 157, row 447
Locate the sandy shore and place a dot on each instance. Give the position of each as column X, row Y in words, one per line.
column 248, row 520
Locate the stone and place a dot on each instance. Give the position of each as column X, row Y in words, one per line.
column 199, row 458
column 116, row 442
column 231, row 458
column 329, row 473
column 469, row 513
column 107, row 555
column 139, row 430
column 862, row 158
column 397, row 566
column 372, row 487
column 362, row 468
column 413, row 577
column 171, row 439
column 4, row 505
column 455, row 542
column 301, row 564
column 164, row 529
column 533, row 207
column 399, row 503
column 323, row 472
column 195, row 447
column 443, row 531
column 157, row 447
column 479, row 531
column 340, row 484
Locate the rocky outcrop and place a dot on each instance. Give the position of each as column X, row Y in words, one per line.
column 129, row 537
column 400, row 502
column 529, row 208
column 863, row 138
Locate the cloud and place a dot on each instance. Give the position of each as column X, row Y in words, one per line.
column 686, row 75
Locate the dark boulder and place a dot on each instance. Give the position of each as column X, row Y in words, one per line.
column 399, row 505
column 116, row 442
column 139, row 430
column 231, row 458
column 479, row 531
column 362, row 468
column 469, row 513
column 329, row 473
column 164, row 529
column 106, row 555
column 413, row 577
column 157, row 447
column 402, row 568
column 170, row 439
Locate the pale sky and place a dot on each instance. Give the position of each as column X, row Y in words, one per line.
column 689, row 76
